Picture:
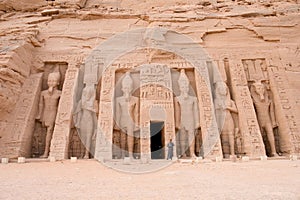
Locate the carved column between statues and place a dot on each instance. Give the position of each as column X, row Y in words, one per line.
column 61, row 135
column 103, row 147
column 253, row 145
column 211, row 146
column 288, row 125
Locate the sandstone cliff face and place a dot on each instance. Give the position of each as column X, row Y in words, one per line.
column 36, row 37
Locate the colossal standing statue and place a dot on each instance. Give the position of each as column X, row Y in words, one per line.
column 126, row 115
column 85, row 119
column 224, row 108
column 48, row 105
column 263, row 108
column 186, row 116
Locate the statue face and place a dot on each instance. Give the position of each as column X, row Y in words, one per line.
column 222, row 88
column 52, row 83
column 126, row 89
column 87, row 93
column 184, row 88
column 260, row 89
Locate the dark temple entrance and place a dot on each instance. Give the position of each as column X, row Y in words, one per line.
column 157, row 140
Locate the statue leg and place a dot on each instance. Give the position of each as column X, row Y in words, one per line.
column 48, row 141
column 122, row 143
column 231, row 142
column 88, row 146
column 271, row 139
column 191, row 141
column 182, row 142
column 130, row 143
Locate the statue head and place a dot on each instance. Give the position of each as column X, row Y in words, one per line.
column 53, row 80
column 259, row 89
column 127, row 85
column 221, row 88
column 184, row 83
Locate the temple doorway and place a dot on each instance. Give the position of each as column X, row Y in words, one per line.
column 157, row 140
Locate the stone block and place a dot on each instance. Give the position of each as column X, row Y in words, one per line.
column 73, row 159
column 219, row 159
column 21, row 159
column 233, row 158
column 245, row 159
column 293, row 157
column 49, row 12
column 144, row 160
column 263, row 158
column 52, row 159
column 174, row 158
column 126, row 161
column 186, row 161
column 4, row 160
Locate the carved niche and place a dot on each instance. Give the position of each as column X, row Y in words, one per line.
column 39, row 135
column 262, row 96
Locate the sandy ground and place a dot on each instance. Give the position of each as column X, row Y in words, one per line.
column 273, row 179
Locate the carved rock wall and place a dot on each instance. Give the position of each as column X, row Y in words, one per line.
column 236, row 30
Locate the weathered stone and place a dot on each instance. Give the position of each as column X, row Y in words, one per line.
column 219, row 159
column 52, row 159
column 4, row 160
column 21, row 159
column 245, row 159
column 238, row 41
column 127, row 161
column 293, row 157
column 263, row 158
column 49, row 12
column 73, row 159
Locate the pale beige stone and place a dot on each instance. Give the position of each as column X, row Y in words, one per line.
column 219, row 159
column 21, row 160
column 245, row 159
column 73, row 159
column 52, row 159
column 4, row 160
column 249, row 41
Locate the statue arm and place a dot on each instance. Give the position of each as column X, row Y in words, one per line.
column 96, row 106
column 196, row 114
column 232, row 107
column 177, row 113
column 77, row 115
column 136, row 112
column 272, row 113
column 41, row 107
column 117, row 115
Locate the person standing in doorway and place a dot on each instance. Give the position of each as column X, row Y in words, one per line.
column 170, row 149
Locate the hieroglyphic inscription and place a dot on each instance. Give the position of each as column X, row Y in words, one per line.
column 250, row 131
column 25, row 111
column 209, row 129
column 289, row 126
column 155, row 93
column 60, row 139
